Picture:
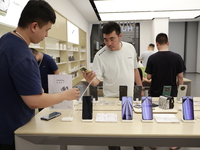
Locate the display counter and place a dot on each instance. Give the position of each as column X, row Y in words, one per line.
column 37, row 132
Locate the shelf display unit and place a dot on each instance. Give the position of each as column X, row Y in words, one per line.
column 68, row 55
column 4, row 29
column 66, row 43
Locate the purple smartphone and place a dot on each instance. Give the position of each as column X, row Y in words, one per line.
column 127, row 108
column 188, row 108
column 147, row 113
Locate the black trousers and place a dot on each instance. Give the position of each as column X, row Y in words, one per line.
column 7, row 147
column 118, row 148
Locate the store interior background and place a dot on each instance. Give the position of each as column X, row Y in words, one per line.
column 184, row 37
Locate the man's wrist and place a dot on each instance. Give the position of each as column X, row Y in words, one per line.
column 143, row 88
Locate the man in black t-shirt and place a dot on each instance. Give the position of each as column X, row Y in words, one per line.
column 164, row 68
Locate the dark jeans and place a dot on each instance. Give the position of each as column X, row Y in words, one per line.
column 118, row 148
column 7, row 147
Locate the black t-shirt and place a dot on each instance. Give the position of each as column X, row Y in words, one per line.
column 164, row 66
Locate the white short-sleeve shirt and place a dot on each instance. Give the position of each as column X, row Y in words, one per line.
column 116, row 68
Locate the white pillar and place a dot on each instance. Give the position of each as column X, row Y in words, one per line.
column 198, row 50
column 159, row 25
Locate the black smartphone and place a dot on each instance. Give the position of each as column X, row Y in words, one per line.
column 182, row 89
column 123, row 89
column 94, row 92
column 50, row 116
column 137, row 92
column 187, row 108
column 84, row 69
column 167, row 90
column 87, row 108
column 147, row 113
column 127, row 108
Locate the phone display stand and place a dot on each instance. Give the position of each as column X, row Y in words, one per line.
column 77, row 102
column 187, row 121
column 119, row 103
column 87, row 120
column 137, row 101
column 67, row 119
column 147, row 121
column 179, row 102
column 128, row 121
column 95, row 102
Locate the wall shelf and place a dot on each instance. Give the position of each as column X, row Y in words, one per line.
column 57, row 45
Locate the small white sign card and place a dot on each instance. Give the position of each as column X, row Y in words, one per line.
column 57, row 84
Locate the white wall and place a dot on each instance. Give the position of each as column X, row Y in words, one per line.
column 149, row 31
column 191, row 47
column 145, row 35
column 176, row 41
column 198, row 50
column 67, row 9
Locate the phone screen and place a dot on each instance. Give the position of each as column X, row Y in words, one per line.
column 127, row 108
column 87, row 107
column 94, row 92
column 84, row 69
column 188, row 108
column 147, row 113
column 122, row 91
column 137, row 92
column 51, row 116
column 167, row 90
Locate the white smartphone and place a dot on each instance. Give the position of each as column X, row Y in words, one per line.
column 182, row 89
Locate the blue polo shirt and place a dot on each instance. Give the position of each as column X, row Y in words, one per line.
column 47, row 66
column 19, row 75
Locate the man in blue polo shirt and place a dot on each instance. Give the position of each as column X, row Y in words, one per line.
column 46, row 65
column 20, row 84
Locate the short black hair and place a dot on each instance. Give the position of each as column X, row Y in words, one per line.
column 162, row 38
column 34, row 51
column 37, row 11
column 110, row 27
column 151, row 45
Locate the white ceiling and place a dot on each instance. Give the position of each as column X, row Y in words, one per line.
column 85, row 8
column 141, row 6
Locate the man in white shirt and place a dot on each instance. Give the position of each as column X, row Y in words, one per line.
column 116, row 63
column 145, row 55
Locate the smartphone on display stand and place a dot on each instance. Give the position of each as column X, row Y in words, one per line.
column 127, row 109
column 123, row 89
column 94, row 92
column 87, row 108
column 137, row 92
column 50, row 116
column 166, row 90
column 187, row 108
column 147, row 113
column 182, row 89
